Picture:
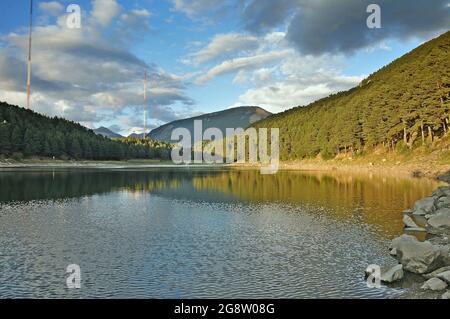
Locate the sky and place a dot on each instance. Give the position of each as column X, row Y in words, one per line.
column 201, row 55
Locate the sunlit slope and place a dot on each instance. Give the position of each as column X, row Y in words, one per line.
column 403, row 105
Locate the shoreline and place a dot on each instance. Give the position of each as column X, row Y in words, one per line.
column 433, row 170
column 59, row 164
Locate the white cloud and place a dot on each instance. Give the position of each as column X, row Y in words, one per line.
column 279, row 75
column 233, row 65
column 241, row 77
column 240, row 53
column 52, row 8
column 104, row 11
column 141, row 12
column 133, row 25
column 264, row 74
column 279, row 96
column 298, row 80
column 193, row 8
column 223, row 45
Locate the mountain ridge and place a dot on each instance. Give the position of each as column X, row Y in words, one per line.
column 242, row 116
column 106, row 132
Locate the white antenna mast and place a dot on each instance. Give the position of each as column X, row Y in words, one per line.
column 145, row 106
column 29, row 56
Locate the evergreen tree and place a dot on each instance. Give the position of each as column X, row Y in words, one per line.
column 5, row 144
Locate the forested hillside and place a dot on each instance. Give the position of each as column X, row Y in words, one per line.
column 403, row 105
column 24, row 133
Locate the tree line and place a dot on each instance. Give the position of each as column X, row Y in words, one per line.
column 24, row 133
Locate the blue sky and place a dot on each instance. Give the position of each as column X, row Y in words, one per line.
column 202, row 55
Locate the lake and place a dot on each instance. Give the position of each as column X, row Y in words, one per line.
column 191, row 233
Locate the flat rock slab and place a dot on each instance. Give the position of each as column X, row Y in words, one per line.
column 408, row 212
column 409, row 222
column 393, row 274
column 415, row 229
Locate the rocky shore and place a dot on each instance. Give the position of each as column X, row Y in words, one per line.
column 423, row 267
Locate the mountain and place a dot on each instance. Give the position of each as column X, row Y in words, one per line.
column 232, row 118
column 24, row 133
column 404, row 105
column 106, row 132
column 136, row 135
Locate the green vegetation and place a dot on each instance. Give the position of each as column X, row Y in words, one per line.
column 24, row 133
column 404, row 105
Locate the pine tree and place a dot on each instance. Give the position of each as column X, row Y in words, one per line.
column 17, row 139
column 5, row 144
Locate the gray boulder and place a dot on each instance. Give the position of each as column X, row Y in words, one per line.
column 446, row 295
column 400, row 240
column 425, row 206
column 442, row 191
column 441, row 220
column 417, row 257
column 443, row 202
column 445, row 255
column 436, row 272
column 445, row 276
column 389, row 274
column 434, row 284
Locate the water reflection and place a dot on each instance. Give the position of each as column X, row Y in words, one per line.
column 373, row 199
column 197, row 234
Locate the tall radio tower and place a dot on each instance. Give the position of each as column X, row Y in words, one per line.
column 29, row 56
column 145, row 106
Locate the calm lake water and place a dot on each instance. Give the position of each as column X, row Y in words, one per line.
column 193, row 234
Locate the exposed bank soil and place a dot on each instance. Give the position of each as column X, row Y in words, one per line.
column 406, row 170
column 426, row 161
column 390, row 169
